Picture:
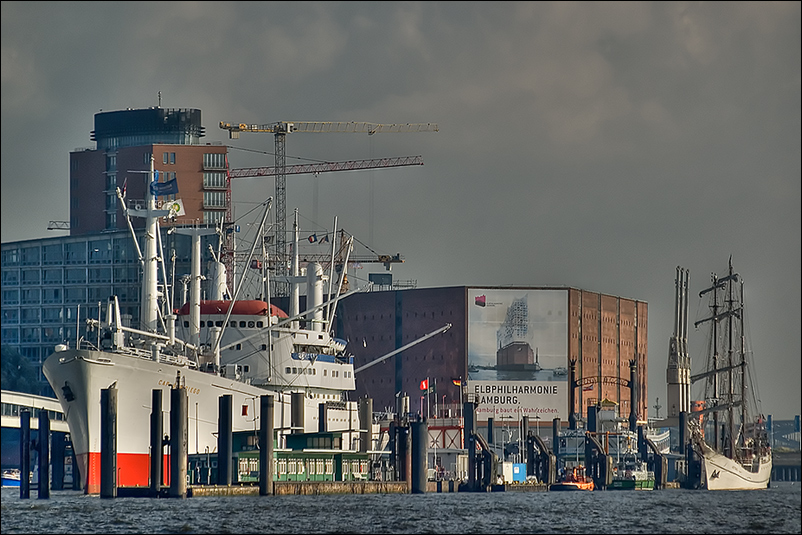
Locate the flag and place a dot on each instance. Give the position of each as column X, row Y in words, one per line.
column 176, row 207
column 312, row 238
column 164, row 188
column 424, row 384
column 125, row 186
column 587, row 387
column 457, row 382
column 324, row 239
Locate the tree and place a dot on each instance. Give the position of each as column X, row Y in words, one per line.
column 16, row 372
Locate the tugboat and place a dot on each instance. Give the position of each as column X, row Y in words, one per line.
column 576, row 479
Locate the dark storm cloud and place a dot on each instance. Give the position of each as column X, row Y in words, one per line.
column 594, row 145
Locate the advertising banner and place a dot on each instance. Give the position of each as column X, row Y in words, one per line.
column 518, row 352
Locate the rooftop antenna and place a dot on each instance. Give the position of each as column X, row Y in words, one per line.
column 160, row 99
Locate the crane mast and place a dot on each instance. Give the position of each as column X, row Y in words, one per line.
column 280, row 130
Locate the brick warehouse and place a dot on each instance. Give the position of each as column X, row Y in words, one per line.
column 604, row 333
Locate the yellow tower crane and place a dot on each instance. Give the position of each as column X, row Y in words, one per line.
column 280, row 130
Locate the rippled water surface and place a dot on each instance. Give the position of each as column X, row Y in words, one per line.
column 775, row 510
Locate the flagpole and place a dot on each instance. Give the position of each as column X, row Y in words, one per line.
column 435, row 397
column 428, row 412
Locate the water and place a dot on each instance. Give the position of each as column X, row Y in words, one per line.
column 776, row 510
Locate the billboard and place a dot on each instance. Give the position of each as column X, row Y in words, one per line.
column 518, row 352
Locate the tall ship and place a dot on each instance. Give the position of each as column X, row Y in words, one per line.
column 729, row 433
column 221, row 346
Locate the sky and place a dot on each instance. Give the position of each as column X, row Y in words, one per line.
column 591, row 145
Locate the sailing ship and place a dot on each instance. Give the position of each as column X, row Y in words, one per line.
column 729, row 433
column 224, row 346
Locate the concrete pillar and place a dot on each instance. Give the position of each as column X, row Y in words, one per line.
column 156, row 437
column 108, row 442
column 420, row 438
column 58, row 448
column 25, row 454
column 365, row 424
column 555, row 436
column 297, row 401
column 178, row 440
column 224, row 440
column 322, row 417
column 266, row 411
column 44, row 454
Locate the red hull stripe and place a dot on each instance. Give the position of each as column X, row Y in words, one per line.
column 133, row 470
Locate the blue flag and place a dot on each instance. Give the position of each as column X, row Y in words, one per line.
column 164, row 188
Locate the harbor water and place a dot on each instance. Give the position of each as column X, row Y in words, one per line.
column 775, row 510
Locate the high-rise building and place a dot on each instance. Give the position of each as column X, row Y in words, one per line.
column 125, row 142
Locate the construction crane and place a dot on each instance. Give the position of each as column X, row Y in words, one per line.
column 322, row 167
column 280, row 130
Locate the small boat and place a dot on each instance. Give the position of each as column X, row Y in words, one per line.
column 631, row 473
column 576, row 479
column 11, row 477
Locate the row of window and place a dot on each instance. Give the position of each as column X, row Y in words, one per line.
column 219, row 323
column 78, row 275
column 312, row 371
column 35, row 335
column 78, row 295
column 92, row 251
column 13, row 409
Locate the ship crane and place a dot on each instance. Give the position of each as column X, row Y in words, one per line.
column 280, row 130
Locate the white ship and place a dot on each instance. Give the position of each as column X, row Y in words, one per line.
column 245, row 349
column 729, row 434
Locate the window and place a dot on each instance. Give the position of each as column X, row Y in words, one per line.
column 172, row 160
column 75, row 253
column 75, row 275
column 214, row 199
column 52, row 254
column 31, row 296
column 30, row 276
column 10, row 297
column 165, row 156
column 10, row 277
column 30, row 335
column 51, row 295
column 30, row 315
column 214, row 161
column 10, row 317
column 99, row 275
column 99, row 251
column 10, row 257
column 10, row 335
column 75, row 295
column 99, row 294
column 30, row 256
column 51, row 276
column 214, row 180
column 213, row 218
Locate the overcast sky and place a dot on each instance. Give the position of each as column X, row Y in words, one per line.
column 592, row 145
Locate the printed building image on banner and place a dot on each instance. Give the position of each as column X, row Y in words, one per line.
column 518, row 341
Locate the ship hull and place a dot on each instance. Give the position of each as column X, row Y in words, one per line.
column 78, row 376
column 723, row 473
